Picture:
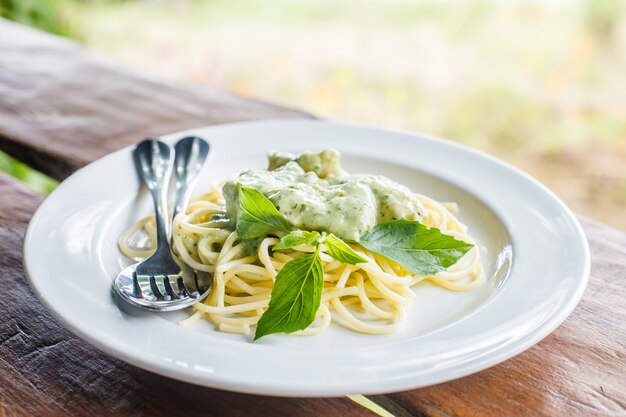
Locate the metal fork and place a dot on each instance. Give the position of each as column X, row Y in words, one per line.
column 159, row 283
column 191, row 152
column 156, row 274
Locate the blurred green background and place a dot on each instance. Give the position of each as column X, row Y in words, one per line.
column 541, row 84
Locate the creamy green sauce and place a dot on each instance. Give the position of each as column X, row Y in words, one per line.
column 313, row 193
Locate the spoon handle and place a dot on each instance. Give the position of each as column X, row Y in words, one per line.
column 154, row 164
column 191, row 152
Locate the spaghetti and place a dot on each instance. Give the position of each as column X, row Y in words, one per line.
column 370, row 297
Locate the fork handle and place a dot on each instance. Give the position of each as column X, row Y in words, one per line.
column 153, row 160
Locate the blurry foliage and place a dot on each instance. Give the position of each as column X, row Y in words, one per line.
column 603, row 17
column 500, row 110
column 49, row 15
column 32, row 178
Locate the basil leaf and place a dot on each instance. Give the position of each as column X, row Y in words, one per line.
column 422, row 250
column 340, row 250
column 296, row 296
column 257, row 216
column 298, row 238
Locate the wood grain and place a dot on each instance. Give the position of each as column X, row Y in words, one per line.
column 46, row 371
column 61, row 107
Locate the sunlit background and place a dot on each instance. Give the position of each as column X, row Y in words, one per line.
column 541, row 84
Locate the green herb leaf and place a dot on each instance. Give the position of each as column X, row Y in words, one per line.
column 340, row 250
column 298, row 238
column 257, row 216
column 422, row 250
column 296, row 296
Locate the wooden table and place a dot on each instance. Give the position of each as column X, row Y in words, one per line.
column 61, row 108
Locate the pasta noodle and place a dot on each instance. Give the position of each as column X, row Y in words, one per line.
column 370, row 297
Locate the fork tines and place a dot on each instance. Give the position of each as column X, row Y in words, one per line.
column 161, row 287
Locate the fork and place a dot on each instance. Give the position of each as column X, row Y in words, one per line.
column 190, row 154
column 155, row 275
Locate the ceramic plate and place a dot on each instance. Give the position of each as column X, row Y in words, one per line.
column 534, row 252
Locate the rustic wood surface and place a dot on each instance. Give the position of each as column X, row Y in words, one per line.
column 61, row 108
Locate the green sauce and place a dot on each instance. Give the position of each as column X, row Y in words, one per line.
column 313, row 193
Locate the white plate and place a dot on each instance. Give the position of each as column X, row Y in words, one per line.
column 535, row 255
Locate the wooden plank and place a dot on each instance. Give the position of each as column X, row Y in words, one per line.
column 46, row 371
column 61, row 107
column 578, row 370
